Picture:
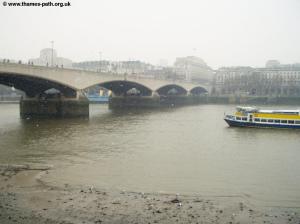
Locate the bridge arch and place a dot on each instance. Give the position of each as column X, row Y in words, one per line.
column 198, row 90
column 172, row 90
column 32, row 86
column 126, row 88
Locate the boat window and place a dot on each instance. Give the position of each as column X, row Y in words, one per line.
column 291, row 122
column 297, row 122
column 244, row 118
column 263, row 120
column 257, row 119
column 277, row 121
column 288, row 112
column 270, row 121
column 283, row 121
column 238, row 118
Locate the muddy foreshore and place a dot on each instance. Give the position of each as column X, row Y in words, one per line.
column 25, row 198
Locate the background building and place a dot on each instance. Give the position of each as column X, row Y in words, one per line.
column 272, row 64
column 192, row 68
column 273, row 80
column 231, row 80
column 136, row 67
column 116, row 67
column 186, row 68
column 48, row 57
column 95, row 66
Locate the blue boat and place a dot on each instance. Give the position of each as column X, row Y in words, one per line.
column 93, row 98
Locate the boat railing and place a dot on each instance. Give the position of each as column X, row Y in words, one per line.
column 231, row 117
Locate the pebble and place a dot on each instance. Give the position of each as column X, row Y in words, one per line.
column 175, row 200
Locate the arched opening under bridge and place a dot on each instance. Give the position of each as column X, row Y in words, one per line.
column 198, row 91
column 172, row 90
column 126, row 88
column 33, row 86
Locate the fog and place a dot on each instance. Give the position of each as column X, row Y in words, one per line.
column 223, row 33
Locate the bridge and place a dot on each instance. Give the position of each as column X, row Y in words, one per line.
column 36, row 81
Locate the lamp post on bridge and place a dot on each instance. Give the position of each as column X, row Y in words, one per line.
column 100, row 58
column 52, row 46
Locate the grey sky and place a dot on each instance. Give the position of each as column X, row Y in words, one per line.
column 222, row 32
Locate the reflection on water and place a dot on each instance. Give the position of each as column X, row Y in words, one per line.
column 186, row 150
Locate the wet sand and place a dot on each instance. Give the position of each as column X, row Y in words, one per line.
column 26, row 198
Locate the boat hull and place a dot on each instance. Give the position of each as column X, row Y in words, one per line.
column 234, row 123
column 98, row 99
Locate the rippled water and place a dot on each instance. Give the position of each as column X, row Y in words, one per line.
column 184, row 150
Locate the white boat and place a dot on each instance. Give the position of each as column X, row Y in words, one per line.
column 254, row 117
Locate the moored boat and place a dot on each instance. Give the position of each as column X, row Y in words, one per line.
column 254, row 117
column 98, row 98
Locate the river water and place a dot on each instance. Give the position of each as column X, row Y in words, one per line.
column 188, row 150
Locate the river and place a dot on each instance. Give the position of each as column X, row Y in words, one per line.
column 188, row 150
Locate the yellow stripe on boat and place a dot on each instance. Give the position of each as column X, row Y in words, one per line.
column 278, row 116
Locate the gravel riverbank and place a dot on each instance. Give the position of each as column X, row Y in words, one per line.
column 25, row 198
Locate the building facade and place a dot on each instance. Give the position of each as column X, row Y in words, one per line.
column 272, row 80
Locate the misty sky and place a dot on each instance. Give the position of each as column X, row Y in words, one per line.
column 221, row 32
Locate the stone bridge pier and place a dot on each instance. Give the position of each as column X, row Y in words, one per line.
column 54, row 105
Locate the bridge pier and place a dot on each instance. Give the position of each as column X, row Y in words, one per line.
column 118, row 102
column 54, row 107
